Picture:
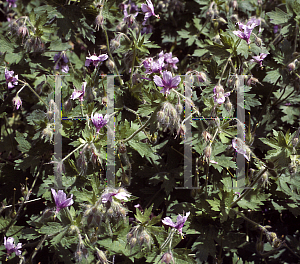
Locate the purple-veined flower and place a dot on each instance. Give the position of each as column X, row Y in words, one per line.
column 120, row 195
column 179, row 224
column 11, row 3
column 10, row 246
column 79, row 94
column 133, row 12
column 60, row 199
column 219, row 95
column 241, row 148
column 17, row 102
column 61, row 62
column 99, row 121
column 148, row 9
column 246, row 30
column 259, row 58
column 167, row 82
column 95, row 59
column 11, row 80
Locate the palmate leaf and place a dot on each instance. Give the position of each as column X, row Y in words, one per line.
column 278, row 16
column 143, row 217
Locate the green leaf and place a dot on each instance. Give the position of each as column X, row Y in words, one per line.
column 278, row 16
column 24, row 145
column 272, row 76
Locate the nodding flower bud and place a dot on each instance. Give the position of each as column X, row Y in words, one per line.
column 234, row 4
column 23, row 31
column 167, row 258
column 99, row 20
column 258, row 41
column 201, row 77
column 295, row 141
column 110, row 65
column 206, row 135
column 132, row 242
column 122, row 148
column 101, row 256
column 114, row 44
column 161, row 116
column 222, row 20
column 17, row 102
column 291, row 66
column 179, row 108
column 265, row 179
column 207, row 151
column 228, row 105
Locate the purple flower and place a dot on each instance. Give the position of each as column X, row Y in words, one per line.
column 11, row 3
column 167, row 258
column 99, row 121
column 179, row 224
column 95, row 59
column 17, row 102
column 79, row 94
column 10, row 246
column 61, row 62
column 61, row 200
column 120, row 195
column 147, row 29
column 148, row 9
column 133, row 12
column 259, row 58
column 10, row 79
column 275, row 29
column 171, row 61
column 246, row 30
column 167, row 82
column 241, row 148
column 219, row 95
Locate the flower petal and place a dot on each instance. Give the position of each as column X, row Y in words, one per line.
column 158, row 81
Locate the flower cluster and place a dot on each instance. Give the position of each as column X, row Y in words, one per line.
column 164, row 62
column 130, row 16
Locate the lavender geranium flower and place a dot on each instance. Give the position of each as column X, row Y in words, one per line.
column 95, row 59
column 167, row 82
column 246, row 30
column 219, row 95
column 99, row 121
column 61, row 62
column 259, row 58
column 241, row 148
column 133, row 12
column 79, row 94
column 11, row 80
column 179, row 224
column 61, row 200
column 148, row 9
column 10, row 246
column 120, row 195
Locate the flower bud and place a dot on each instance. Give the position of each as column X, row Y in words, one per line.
column 295, row 141
column 122, row 148
column 234, row 4
column 23, row 31
column 201, row 77
column 99, row 21
column 258, row 41
column 222, row 20
column 160, row 116
column 207, row 151
column 101, row 256
column 114, row 44
column 167, row 258
column 206, row 135
column 228, row 105
column 216, row 24
column 179, row 108
column 110, row 65
column 132, row 242
column 17, row 102
column 291, row 66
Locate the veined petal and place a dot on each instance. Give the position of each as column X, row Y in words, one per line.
column 168, row 221
column 158, row 81
column 175, row 81
column 167, row 78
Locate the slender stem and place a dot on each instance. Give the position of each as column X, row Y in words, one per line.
column 296, row 34
column 25, row 83
column 132, row 66
column 137, row 131
column 111, row 57
column 83, row 144
column 224, row 69
column 233, row 204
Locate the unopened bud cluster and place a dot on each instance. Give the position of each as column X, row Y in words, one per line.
column 169, row 117
column 138, row 235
